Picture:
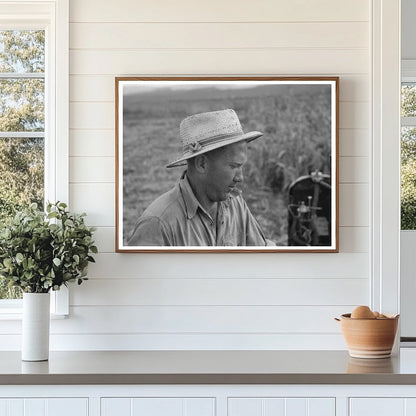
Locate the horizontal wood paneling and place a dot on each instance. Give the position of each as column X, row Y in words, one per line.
column 104, row 238
column 184, row 341
column 218, row 35
column 87, row 115
column 353, row 170
column 92, row 169
column 218, row 11
column 354, row 142
column 96, row 199
column 354, row 239
column 353, row 115
column 354, row 205
column 209, row 265
column 354, row 87
column 95, row 143
column 96, row 88
column 301, row 61
column 195, row 320
column 213, row 301
column 200, row 319
column 99, row 88
column 220, row 291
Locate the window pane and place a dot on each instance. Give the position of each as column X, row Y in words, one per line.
column 22, row 105
column 408, row 100
column 408, row 145
column 22, row 51
column 21, row 182
column 408, row 178
column 22, row 109
column 9, row 292
column 21, row 173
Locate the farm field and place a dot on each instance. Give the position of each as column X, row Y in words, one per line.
column 295, row 120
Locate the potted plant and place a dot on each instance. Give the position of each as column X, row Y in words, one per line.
column 39, row 252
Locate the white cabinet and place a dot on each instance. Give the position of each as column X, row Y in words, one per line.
column 44, row 407
column 208, row 400
column 157, row 406
column 391, row 406
column 273, row 406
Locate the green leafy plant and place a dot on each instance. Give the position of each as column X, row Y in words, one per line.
column 42, row 251
column 408, row 179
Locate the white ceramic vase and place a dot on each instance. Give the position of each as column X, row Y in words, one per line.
column 35, row 326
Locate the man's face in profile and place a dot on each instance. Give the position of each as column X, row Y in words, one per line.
column 225, row 170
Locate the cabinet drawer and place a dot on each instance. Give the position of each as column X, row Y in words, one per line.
column 279, row 406
column 382, row 406
column 44, row 407
column 158, row 406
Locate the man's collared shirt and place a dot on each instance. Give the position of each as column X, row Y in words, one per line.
column 176, row 218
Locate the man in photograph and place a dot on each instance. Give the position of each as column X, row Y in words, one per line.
column 206, row 207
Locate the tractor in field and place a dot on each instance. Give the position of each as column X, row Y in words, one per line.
column 309, row 210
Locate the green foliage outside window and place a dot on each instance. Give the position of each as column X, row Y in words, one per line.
column 408, row 160
column 408, row 180
column 21, row 110
column 408, row 104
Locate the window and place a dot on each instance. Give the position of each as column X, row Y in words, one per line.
column 22, row 124
column 33, row 110
column 408, row 148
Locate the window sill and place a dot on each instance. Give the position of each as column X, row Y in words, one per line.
column 11, row 309
column 17, row 316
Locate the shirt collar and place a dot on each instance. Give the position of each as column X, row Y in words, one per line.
column 191, row 203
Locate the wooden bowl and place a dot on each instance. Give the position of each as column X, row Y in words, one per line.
column 369, row 338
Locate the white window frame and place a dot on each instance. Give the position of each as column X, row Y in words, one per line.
column 53, row 17
column 408, row 75
column 408, row 238
column 385, row 184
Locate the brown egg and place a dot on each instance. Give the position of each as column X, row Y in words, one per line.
column 362, row 312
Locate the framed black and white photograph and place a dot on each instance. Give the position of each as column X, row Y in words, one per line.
column 227, row 164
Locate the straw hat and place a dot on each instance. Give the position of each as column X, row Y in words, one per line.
column 204, row 132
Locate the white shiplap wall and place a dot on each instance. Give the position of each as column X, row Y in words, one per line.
column 186, row 301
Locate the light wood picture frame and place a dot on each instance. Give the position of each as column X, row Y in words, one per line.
column 290, row 187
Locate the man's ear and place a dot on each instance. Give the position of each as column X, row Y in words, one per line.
column 201, row 163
